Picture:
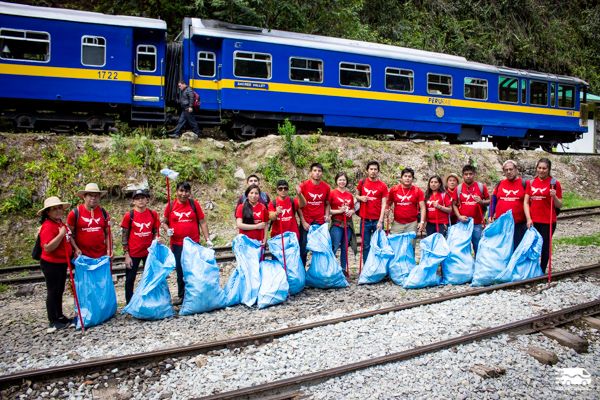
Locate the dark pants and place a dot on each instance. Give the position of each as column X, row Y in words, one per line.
column 369, row 229
column 544, row 230
column 180, row 283
column 188, row 117
column 130, row 275
column 55, row 275
column 520, row 230
column 432, row 228
column 337, row 242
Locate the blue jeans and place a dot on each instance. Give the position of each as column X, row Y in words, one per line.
column 369, row 229
column 476, row 237
column 337, row 242
column 188, row 117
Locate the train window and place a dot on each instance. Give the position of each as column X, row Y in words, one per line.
column 399, row 79
column 439, row 84
column 93, row 51
column 24, row 45
column 566, row 96
column 252, row 65
column 538, row 93
column 355, row 75
column 508, row 89
column 146, row 58
column 476, row 88
column 553, row 94
column 306, row 70
column 206, row 63
column 523, row 91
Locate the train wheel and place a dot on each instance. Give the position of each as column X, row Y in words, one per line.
column 25, row 121
column 243, row 132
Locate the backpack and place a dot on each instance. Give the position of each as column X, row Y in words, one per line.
column 76, row 213
column 154, row 216
column 480, row 186
column 196, row 104
column 36, row 253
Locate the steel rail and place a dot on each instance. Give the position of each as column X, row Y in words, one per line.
column 265, row 337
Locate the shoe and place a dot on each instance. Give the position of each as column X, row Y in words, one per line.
column 56, row 325
column 174, row 136
column 69, row 322
column 178, row 302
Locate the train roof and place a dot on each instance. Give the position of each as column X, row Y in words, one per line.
column 64, row 14
column 204, row 27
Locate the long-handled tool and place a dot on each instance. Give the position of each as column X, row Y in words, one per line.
column 346, row 246
column 169, row 174
column 362, row 237
column 550, row 241
column 282, row 242
column 72, row 279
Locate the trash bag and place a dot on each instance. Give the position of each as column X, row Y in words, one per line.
column 296, row 275
column 247, row 282
column 95, row 290
column 434, row 251
column 274, row 286
column 324, row 271
column 380, row 255
column 404, row 256
column 495, row 249
column 232, row 289
column 457, row 269
column 525, row 261
column 203, row 292
column 151, row 299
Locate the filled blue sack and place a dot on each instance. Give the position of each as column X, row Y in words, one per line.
column 232, row 289
column 247, row 282
column 457, row 269
column 404, row 256
column 494, row 251
column 296, row 275
column 274, row 286
column 203, row 292
column 525, row 261
column 380, row 254
column 151, row 299
column 95, row 290
column 325, row 271
column 434, row 251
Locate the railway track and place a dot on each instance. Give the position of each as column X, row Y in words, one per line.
column 255, row 339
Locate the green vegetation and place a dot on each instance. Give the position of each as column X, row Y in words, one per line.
column 3, row 288
column 572, row 200
column 272, row 171
column 590, row 240
column 295, row 146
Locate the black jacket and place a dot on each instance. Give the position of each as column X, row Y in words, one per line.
column 186, row 98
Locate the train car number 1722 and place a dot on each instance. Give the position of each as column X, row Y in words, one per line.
column 108, row 75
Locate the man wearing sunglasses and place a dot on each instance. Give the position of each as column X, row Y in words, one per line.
column 282, row 210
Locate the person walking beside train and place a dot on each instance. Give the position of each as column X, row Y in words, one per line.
column 186, row 102
column 183, row 218
column 509, row 194
column 282, row 210
column 542, row 198
column 342, row 209
column 452, row 181
column 372, row 193
column 407, row 202
column 439, row 207
column 252, row 216
column 472, row 201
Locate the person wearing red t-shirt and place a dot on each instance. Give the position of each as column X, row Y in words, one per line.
column 57, row 244
column 372, row 193
column 90, row 224
column 316, row 210
column 342, row 209
column 538, row 210
column 140, row 227
column 407, row 202
column 183, row 218
column 452, row 181
column 509, row 194
column 439, row 207
column 472, row 197
column 282, row 210
column 252, row 216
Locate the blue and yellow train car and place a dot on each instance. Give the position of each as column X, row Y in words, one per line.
column 77, row 67
column 256, row 77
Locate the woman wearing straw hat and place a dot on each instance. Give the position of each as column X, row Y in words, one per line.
column 90, row 223
column 56, row 244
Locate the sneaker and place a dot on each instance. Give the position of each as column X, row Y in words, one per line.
column 174, row 136
column 69, row 322
column 178, row 302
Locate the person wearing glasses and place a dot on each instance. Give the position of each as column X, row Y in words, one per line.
column 282, row 210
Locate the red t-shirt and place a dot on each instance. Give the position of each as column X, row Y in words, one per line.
column 454, row 197
column 337, row 200
column 48, row 232
column 435, row 215
column 406, row 203
column 316, row 196
column 539, row 200
column 467, row 205
column 183, row 221
column 140, row 231
column 287, row 219
column 509, row 196
column 89, row 231
column 375, row 191
column 260, row 215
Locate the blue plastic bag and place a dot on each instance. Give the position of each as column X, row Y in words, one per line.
column 525, row 261
column 404, row 256
column 151, row 299
column 458, row 267
column 203, row 292
column 324, row 271
column 247, row 254
column 495, row 249
column 232, row 289
column 434, row 251
column 95, row 290
column 274, row 286
column 296, row 275
column 380, row 255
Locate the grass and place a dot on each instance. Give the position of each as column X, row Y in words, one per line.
column 572, row 200
column 3, row 288
column 589, row 240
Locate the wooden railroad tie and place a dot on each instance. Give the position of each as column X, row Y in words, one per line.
column 567, row 339
column 592, row 322
column 544, row 356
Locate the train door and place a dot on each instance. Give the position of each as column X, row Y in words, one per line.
column 148, row 71
column 205, row 60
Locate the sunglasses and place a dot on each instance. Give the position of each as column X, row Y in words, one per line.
column 282, row 188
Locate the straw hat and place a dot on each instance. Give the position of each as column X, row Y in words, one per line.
column 52, row 202
column 91, row 188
